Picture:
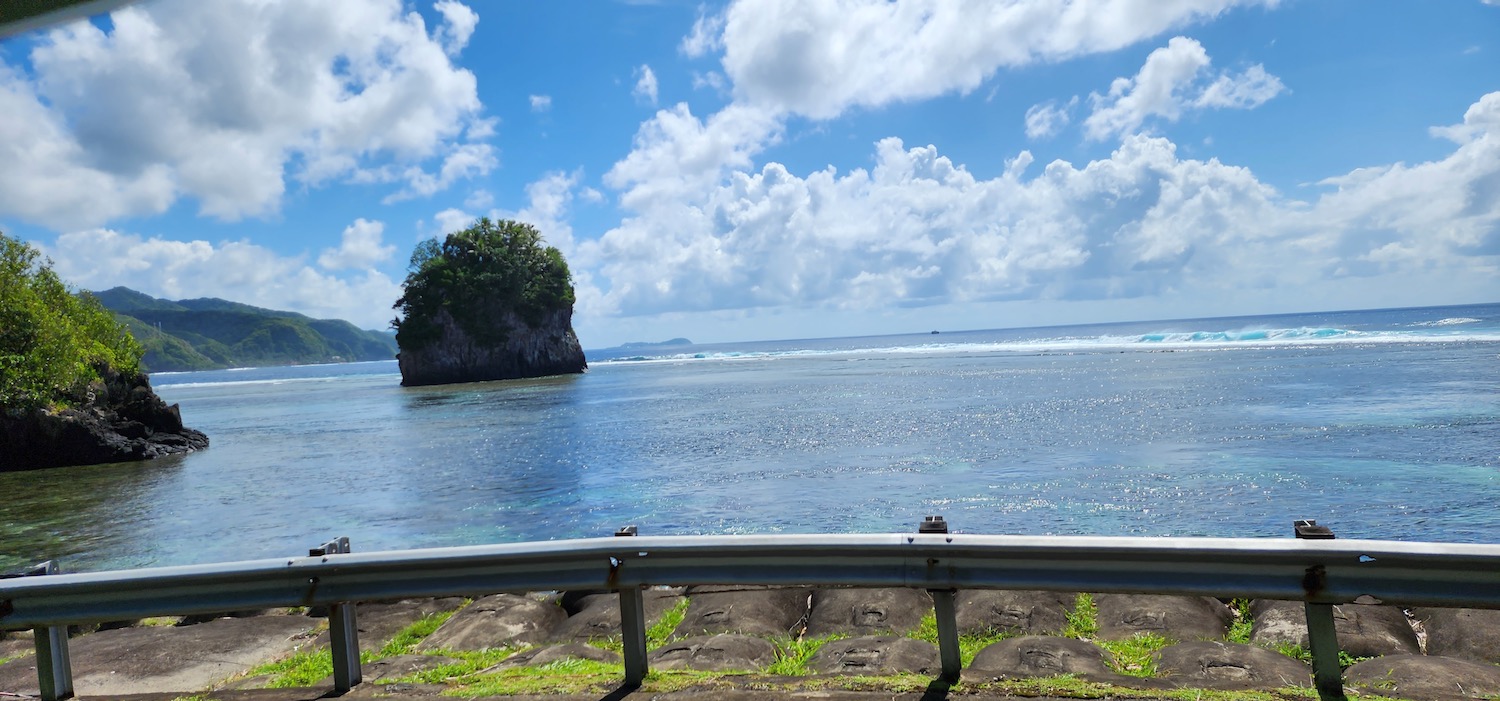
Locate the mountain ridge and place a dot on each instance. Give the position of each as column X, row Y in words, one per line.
column 208, row 333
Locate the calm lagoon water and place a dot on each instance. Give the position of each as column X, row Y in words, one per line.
column 1381, row 424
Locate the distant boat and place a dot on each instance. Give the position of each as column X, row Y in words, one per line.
column 934, row 332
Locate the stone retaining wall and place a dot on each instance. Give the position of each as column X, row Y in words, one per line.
column 1418, row 654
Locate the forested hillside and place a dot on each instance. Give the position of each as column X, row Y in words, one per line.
column 201, row 334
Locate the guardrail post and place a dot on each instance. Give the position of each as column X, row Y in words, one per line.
column 947, row 630
column 944, row 611
column 54, row 669
column 1322, row 636
column 1323, row 639
column 633, row 627
column 343, row 630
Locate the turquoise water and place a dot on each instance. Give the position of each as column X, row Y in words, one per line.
column 1380, row 424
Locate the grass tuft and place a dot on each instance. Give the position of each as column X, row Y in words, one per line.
column 308, row 667
column 792, row 655
column 407, row 639
column 656, row 636
column 462, row 672
column 1136, row 656
column 969, row 644
column 1239, row 631
column 661, row 631
column 1083, row 620
column 302, row 668
column 1297, row 652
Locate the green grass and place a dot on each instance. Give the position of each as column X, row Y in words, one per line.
column 1136, row 656
column 469, row 663
column 407, row 639
column 1083, row 620
column 1239, row 630
column 969, row 644
column 308, row 667
column 301, row 668
column 1297, row 652
column 792, row 654
column 559, row 677
column 661, row 631
column 656, row 636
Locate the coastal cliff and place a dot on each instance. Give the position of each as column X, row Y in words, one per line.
column 122, row 420
column 549, row 348
column 487, row 303
column 71, row 387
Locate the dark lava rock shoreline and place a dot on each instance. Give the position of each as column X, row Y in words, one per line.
column 123, row 420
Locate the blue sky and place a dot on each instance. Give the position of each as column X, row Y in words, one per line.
column 766, row 169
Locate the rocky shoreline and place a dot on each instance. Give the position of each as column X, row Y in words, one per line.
column 121, row 421
column 791, row 635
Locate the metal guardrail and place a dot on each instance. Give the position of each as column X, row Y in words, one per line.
column 1321, row 572
column 18, row 16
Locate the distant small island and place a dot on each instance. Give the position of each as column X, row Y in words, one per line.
column 210, row 333
column 490, row 302
column 635, row 345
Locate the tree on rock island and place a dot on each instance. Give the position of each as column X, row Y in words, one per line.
column 490, row 302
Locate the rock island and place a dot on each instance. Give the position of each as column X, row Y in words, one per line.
column 490, row 302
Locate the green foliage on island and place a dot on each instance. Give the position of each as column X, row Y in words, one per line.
column 53, row 343
column 471, row 273
column 203, row 334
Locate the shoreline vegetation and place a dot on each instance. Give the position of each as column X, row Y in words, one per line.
column 72, row 390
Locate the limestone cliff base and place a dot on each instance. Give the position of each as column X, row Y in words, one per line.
column 549, row 348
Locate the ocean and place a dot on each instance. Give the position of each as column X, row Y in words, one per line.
column 1379, row 424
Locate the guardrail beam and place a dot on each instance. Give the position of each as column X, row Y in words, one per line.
column 1319, row 571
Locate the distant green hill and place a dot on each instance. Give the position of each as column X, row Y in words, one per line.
column 202, row 334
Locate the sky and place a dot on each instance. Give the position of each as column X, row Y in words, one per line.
column 774, row 169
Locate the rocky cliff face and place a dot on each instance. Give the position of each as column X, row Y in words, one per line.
column 549, row 348
column 123, row 421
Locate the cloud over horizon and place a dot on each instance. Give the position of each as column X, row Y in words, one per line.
column 918, row 229
column 225, row 103
column 861, row 159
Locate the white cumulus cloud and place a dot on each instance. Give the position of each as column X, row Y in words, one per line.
column 224, row 102
column 540, row 103
column 645, row 85
column 1046, row 119
column 819, row 59
column 97, row 259
column 361, row 247
column 458, row 25
column 1169, row 83
column 920, row 230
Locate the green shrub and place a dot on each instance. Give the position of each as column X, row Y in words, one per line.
column 53, row 343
